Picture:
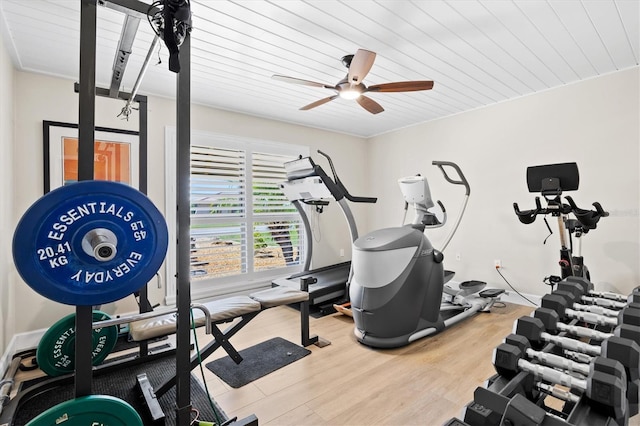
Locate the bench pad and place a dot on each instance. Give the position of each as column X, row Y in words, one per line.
column 221, row 310
column 277, row 296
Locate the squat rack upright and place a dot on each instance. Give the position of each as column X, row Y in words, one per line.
column 86, row 137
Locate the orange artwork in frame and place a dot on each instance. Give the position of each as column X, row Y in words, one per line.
column 116, row 155
column 112, row 161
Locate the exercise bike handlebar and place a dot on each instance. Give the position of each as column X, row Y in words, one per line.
column 462, row 180
column 588, row 218
column 338, row 182
column 529, row 216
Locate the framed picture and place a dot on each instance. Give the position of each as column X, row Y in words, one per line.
column 116, row 155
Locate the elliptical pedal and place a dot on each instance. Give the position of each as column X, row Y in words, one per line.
column 472, row 286
column 491, row 292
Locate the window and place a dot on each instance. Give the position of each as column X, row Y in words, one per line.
column 244, row 231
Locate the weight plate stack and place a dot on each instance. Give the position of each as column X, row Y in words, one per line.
column 56, row 350
column 100, row 410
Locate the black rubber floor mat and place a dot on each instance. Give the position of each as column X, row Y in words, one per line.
column 121, row 384
column 258, row 361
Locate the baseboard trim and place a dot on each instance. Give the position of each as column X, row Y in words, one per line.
column 519, row 299
column 29, row 340
column 18, row 343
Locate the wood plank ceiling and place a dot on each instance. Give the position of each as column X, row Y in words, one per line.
column 478, row 52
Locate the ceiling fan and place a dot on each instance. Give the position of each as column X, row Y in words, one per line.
column 352, row 87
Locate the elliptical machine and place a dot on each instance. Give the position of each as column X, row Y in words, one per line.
column 398, row 276
column 551, row 180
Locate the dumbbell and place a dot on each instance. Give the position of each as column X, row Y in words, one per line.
column 558, row 393
column 582, row 367
column 553, row 325
column 633, row 386
column 580, row 291
column 599, row 386
column 626, row 351
column 553, row 360
column 563, row 304
column 575, row 303
column 633, row 297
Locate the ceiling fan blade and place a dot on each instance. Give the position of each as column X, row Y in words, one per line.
column 401, row 86
column 318, row 103
column 300, row 81
column 369, row 104
column 360, row 65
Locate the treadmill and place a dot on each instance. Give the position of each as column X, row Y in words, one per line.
column 307, row 183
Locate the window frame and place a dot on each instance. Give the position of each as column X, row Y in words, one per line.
column 213, row 287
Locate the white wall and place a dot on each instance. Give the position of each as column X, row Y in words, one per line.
column 594, row 123
column 6, row 191
column 48, row 98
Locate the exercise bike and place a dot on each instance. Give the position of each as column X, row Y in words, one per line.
column 398, row 292
column 551, row 180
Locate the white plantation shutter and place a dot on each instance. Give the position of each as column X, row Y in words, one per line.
column 218, row 207
column 268, row 172
column 217, row 179
column 244, row 231
column 277, row 222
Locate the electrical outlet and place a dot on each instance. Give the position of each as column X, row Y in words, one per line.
column 341, row 252
column 497, row 263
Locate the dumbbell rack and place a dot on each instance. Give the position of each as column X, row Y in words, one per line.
column 519, row 397
column 521, row 400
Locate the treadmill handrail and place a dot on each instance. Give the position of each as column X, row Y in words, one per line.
column 343, row 190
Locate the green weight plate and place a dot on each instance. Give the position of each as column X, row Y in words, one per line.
column 102, row 410
column 56, row 350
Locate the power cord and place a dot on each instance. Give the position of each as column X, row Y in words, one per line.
column 315, row 226
column 512, row 288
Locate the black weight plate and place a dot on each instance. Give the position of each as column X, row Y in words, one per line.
column 49, row 243
column 102, row 410
column 56, row 350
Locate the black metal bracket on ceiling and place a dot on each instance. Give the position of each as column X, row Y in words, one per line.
column 134, row 10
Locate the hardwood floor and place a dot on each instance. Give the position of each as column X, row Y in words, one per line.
column 347, row 383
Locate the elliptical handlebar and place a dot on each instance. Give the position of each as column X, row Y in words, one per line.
column 345, row 192
column 462, row 179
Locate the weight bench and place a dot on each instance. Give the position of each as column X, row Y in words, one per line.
column 244, row 308
column 226, row 310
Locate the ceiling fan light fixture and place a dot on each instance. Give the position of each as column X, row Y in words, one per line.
column 350, row 94
column 351, row 86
